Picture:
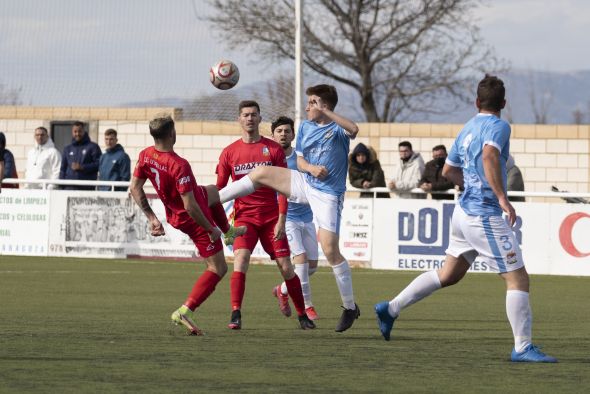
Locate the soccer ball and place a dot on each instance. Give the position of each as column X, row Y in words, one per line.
column 224, row 74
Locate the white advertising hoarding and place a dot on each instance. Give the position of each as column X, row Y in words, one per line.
column 24, row 222
column 414, row 234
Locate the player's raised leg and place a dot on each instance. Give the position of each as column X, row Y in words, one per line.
column 277, row 178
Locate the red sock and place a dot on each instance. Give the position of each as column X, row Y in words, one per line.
column 237, row 287
column 202, row 289
column 294, row 289
column 219, row 217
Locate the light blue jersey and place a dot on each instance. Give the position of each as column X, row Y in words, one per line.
column 297, row 212
column 478, row 199
column 328, row 146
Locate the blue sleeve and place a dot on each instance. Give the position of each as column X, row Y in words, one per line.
column 453, row 158
column 126, row 168
column 497, row 134
column 64, row 165
column 299, row 140
column 9, row 168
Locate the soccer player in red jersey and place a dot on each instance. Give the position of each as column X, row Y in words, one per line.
column 259, row 212
column 187, row 210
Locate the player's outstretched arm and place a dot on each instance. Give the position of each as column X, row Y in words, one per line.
column 195, row 212
column 136, row 190
column 351, row 128
column 492, row 169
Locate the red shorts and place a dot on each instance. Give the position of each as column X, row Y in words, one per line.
column 199, row 236
column 265, row 231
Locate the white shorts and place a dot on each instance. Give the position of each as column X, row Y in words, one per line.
column 490, row 237
column 302, row 238
column 327, row 208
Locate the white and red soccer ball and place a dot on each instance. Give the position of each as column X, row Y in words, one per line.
column 224, row 74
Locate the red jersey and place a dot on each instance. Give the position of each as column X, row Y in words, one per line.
column 171, row 176
column 238, row 159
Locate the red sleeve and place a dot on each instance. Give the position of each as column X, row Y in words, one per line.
column 223, row 170
column 183, row 178
column 139, row 172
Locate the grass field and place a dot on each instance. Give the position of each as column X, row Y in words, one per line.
column 76, row 325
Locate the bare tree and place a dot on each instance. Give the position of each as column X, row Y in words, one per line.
column 540, row 97
column 578, row 116
column 397, row 55
column 10, row 96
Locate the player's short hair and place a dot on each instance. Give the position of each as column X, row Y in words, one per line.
column 491, row 93
column 78, row 124
column 42, row 128
column 112, row 132
column 161, row 126
column 2, row 140
column 440, row 147
column 248, row 104
column 282, row 120
column 407, row 144
column 327, row 93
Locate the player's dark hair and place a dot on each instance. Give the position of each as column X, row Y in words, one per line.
column 327, row 93
column 248, row 104
column 161, row 126
column 491, row 93
column 112, row 132
column 407, row 144
column 79, row 124
column 440, row 147
column 2, row 140
column 282, row 120
column 42, row 128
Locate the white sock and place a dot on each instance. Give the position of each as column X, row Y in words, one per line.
column 344, row 282
column 284, row 290
column 520, row 317
column 239, row 188
column 424, row 285
column 302, row 271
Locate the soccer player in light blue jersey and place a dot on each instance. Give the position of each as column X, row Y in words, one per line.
column 323, row 144
column 300, row 229
column 478, row 161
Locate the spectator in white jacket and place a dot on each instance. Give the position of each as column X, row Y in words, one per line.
column 408, row 173
column 43, row 161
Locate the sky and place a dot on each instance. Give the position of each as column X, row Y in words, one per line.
column 115, row 52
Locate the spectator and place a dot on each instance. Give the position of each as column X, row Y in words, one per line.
column 408, row 173
column 514, row 180
column 364, row 170
column 115, row 164
column 432, row 179
column 80, row 159
column 43, row 161
column 7, row 158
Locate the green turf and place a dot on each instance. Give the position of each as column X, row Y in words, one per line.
column 76, row 325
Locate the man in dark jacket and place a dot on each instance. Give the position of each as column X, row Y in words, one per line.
column 432, row 179
column 7, row 167
column 80, row 159
column 115, row 164
column 364, row 170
